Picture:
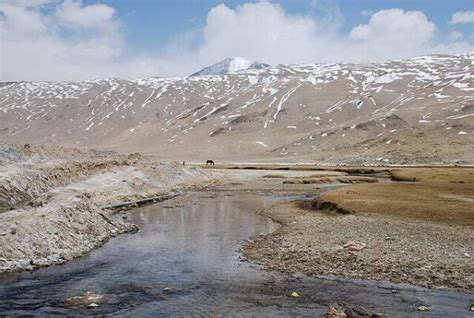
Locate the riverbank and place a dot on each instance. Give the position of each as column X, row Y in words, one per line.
column 185, row 261
column 52, row 199
column 411, row 225
column 416, row 231
column 187, row 254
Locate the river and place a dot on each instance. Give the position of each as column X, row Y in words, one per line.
column 185, row 261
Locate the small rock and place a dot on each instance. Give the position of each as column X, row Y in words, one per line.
column 87, row 299
column 471, row 308
column 360, row 313
column 354, row 246
column 93, row 305
column 295, row 295
column 133, row 229
column 334, row 312
column 422, row 308
column 170, row 290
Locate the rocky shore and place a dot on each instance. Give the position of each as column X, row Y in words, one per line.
column 52, row 199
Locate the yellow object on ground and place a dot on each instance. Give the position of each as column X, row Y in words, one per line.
column 295, row 295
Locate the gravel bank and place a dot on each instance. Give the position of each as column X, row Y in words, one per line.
column 416, row 252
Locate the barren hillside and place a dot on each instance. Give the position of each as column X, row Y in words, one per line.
column 418, row 110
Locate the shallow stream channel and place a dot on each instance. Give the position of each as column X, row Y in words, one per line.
column 186, row 261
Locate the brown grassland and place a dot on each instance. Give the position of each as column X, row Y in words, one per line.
column 432, row 193
column 444, row 195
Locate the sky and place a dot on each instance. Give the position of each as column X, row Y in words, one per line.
column 56, row 40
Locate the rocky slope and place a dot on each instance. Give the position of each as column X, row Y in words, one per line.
column 418, row 110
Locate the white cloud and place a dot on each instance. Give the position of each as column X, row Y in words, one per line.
column 393, row 33
column 95, row 16
column 367, row 12
column 395, row 24
column 463, row 17
column 259, row 31
column 34, row 46
column 103, row 40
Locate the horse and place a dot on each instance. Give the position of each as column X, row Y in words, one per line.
column 210, row 162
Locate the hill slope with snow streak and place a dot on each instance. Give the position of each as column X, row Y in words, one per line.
column 418, row 110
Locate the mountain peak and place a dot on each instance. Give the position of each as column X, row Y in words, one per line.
column 230, row 65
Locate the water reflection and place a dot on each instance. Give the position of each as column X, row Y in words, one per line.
column 186, row 243
column 184, row 261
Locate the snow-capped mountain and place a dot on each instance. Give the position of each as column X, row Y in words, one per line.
column 230, row 65
column 418, row 110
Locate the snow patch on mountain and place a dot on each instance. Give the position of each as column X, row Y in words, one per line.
column 230, row 65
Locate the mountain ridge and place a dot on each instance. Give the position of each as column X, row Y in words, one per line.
column 325, row 113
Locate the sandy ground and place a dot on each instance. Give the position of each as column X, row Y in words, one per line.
column 311, row 241
column 53, row 199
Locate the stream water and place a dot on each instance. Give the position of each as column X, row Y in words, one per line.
column 185, row 261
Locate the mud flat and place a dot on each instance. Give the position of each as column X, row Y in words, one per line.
column 417, row 231
column 52, row 199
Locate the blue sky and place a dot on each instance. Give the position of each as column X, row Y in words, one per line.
column 150, row 24
column 76, row 39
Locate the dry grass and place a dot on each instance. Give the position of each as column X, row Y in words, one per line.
column 444, row 195
column 451, row 175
